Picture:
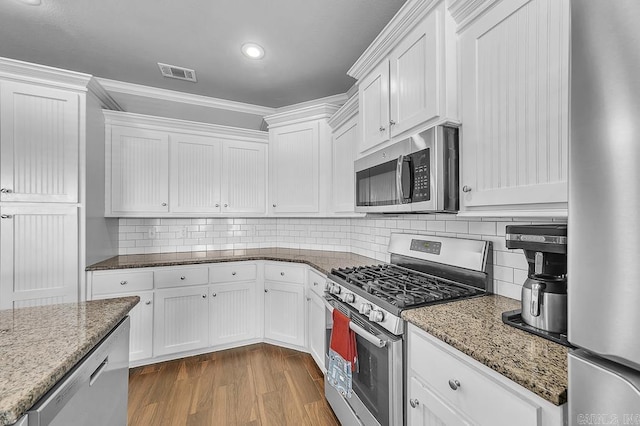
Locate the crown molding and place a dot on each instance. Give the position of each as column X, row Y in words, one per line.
column 346, row 112
column 182, row 97
column 464, row 12
column 42, row 74
column 129, row 119
column 403, row 21
column 338, row 99
column 307, row 113
column 105, row 98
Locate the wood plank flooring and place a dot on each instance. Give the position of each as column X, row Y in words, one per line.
column 254, row 385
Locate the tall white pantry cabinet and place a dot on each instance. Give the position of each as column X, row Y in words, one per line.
column 46, row 116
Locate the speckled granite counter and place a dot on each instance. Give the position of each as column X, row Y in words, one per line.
column 323, row 261
column 475, row 327
column 39, row 345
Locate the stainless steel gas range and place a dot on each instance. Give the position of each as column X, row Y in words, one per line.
column 424, row 270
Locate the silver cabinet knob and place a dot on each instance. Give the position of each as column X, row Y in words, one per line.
column 217, row 205
column 6, row 191
column 308, row 299
column 414, row 402
column 148, row 302
column 233, row 273
column 274, row 205
column 266, row 291
column 392, row 122
column 204, row 296
column 382, row 128
column 164, row 204
column 454, row 384
column 315, row 283
column 6, row 216
column 226, row 205
column 123, row 282
column 282, row 273
column 183, row 278
column 214, row 294
column 466, row 188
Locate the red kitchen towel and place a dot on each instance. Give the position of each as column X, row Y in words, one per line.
column 343, row 339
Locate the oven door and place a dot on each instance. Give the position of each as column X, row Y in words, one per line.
column 377, row 397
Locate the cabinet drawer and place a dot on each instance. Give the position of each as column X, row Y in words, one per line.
column 316, row 282
column 477, row 395
column 121, row 282
column 178, row 277
column 284, row 273
column 233, row 272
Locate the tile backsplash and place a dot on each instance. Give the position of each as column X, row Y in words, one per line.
column 368, row 236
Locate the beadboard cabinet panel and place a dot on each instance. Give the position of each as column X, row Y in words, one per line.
column 427, row 409
column 244, row 186
column 39, row 143
column 195, row 171
column 284, row 313
column 140, row 161
column 344, row 142
column 39, row 262
column 373, row 98
column 233, row 313
column 515, row 80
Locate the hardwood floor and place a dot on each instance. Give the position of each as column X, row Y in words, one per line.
column 253, row 385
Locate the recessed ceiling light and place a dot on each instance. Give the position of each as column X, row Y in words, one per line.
column 253, row 51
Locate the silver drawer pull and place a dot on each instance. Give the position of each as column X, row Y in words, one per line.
column 148, row 302
column 164, row 204
column 233, row 273
column 6, row 216
column 6, row 191
column 282, row 273
column 123, row 283
column 182, row 278
column 454, row 384
column 414, row 403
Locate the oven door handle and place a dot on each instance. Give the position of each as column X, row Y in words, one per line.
column 359, row 330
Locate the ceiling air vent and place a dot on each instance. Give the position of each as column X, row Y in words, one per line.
column 180, row 73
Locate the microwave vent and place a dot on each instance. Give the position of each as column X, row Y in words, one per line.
column 180, row 73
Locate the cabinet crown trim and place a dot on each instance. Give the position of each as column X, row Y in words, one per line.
column 464, row 12
column 119, row 118
column 42, row 74
column 103, row 96
column 399, row 26
column 307, row 113
column 346, row 112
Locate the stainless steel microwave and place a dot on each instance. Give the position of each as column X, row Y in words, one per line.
column 417, row 174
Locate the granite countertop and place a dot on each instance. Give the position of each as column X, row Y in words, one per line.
column 321, row 260
column 475, row 327
column 39, row 345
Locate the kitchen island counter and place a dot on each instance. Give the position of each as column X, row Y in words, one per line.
column 475, row 327
column 321, row 260
column 39, row 345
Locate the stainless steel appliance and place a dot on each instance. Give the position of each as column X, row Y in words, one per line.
column 544, row 292
column 95, row 391
column 419, row 173
column 604, row 206
column 424, row 270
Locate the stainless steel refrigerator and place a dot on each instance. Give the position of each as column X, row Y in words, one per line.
column 604, row 213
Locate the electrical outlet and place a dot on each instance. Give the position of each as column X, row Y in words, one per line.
column 151, row 233
column 183, row 232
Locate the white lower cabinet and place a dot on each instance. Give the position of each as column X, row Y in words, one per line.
column 284, row 312
column 233, row 313
column 447, row 387
column 316, row 328
column 181, row 320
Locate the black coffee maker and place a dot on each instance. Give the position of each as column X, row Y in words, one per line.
column 544, row 293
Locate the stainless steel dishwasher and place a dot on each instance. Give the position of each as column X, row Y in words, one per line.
column 95, row 391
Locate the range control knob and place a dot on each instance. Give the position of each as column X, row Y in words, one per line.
column 335, row 289
column 349, row 298
column 365, row 308
column 376, row 316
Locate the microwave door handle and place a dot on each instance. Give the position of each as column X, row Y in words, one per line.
column 399, row 179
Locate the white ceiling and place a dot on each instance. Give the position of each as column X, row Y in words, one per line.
column 309, row 44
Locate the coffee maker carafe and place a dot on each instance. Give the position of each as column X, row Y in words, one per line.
column 544, row 293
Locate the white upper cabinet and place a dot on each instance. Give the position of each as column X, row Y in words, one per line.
column 244, row 183
column 407, row 76
column 515, row 79
column 39, row 143
column 196, row 172
column 167, row 168
column 139, row 179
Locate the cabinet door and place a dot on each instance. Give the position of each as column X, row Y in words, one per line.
column 284, row 312
column 233, row 312
column 195, row 170
column 140, row 170
column 316, row 330
column 181, row 320
column 39, row 144
column 244, row 179
column 425, row 408
column 344, row 143
column 515, row 80
column 414, row 65
column 373, row 98
column 294, row 168
column 141, row 334
column 39, row 262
